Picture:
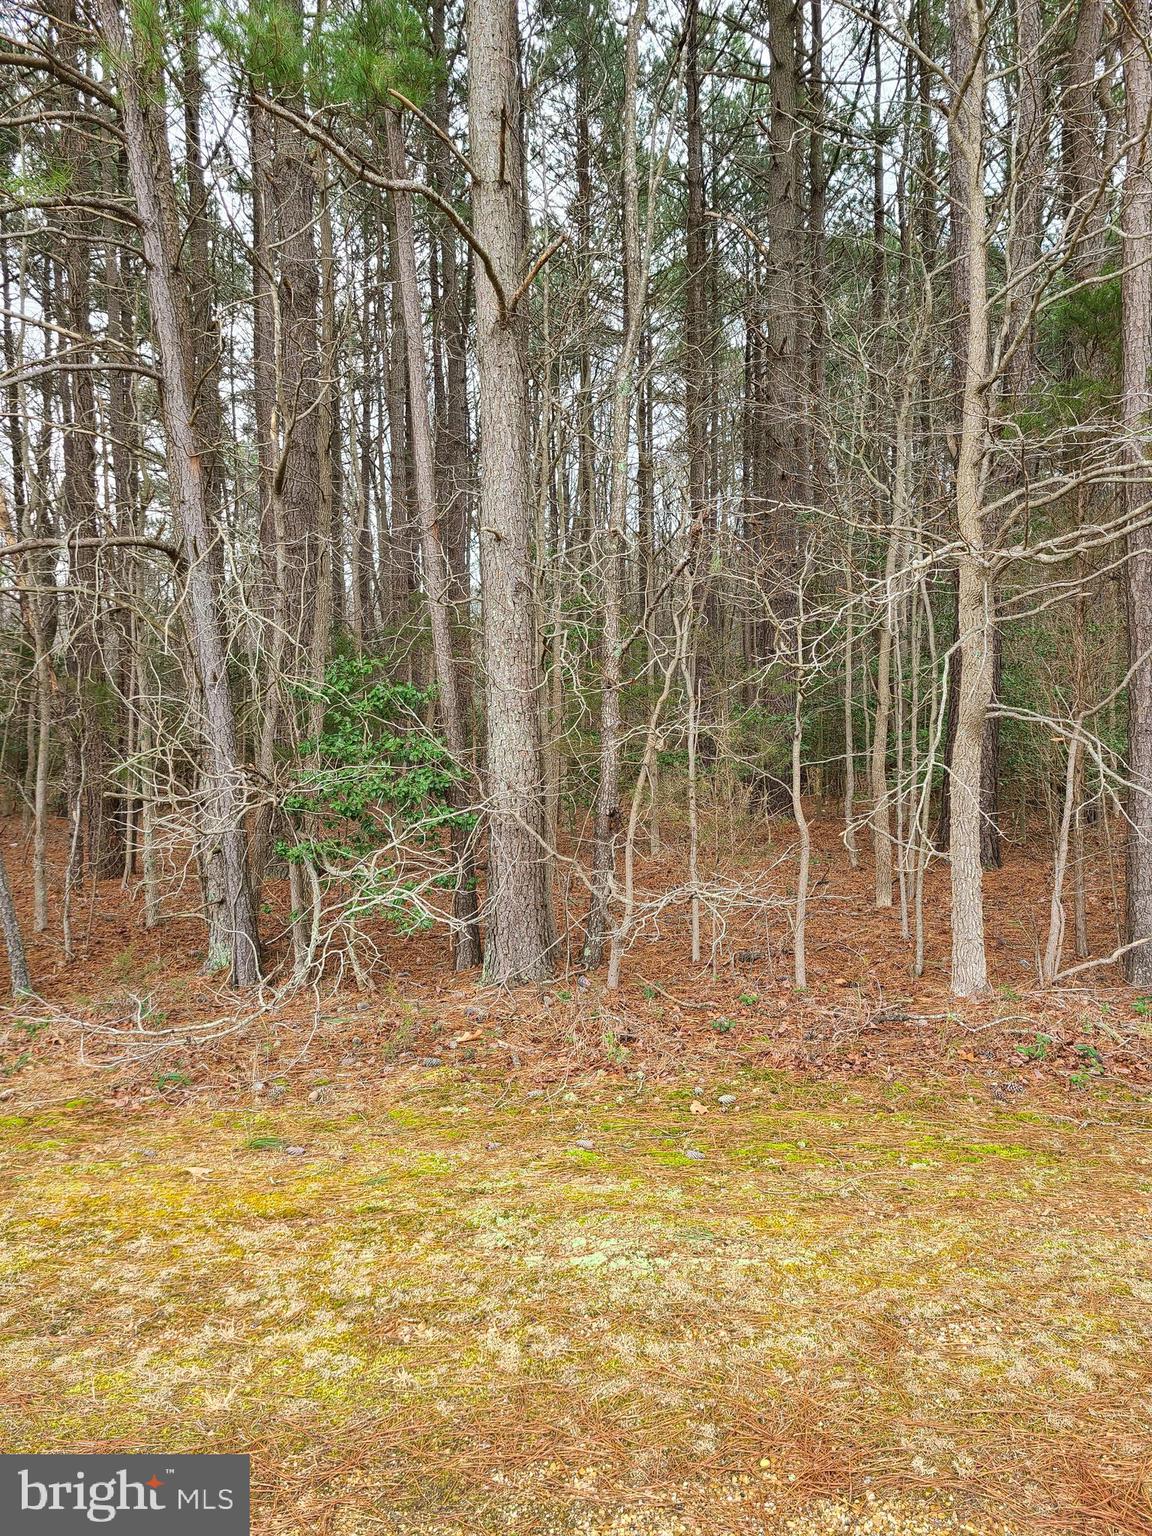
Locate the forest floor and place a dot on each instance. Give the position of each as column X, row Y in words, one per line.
column 699, row 1256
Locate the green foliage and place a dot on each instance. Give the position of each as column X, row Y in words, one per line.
column 1087, row 316
column 1081, row 339
column 149, row 28
column 266, row 38
column 375, row 775
column 1038, row 1050
column 372, row 752
column 21, row 1061
column 372, row 49
column 1090, row 1056
column 762, row 741
column 167, row 1081
column 53, row 180
column 354, row 55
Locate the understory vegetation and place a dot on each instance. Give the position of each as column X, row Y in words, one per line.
column 576, row 759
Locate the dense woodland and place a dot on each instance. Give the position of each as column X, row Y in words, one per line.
column 447, row 450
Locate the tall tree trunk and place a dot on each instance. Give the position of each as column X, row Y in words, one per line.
column 150, row 173
column 696, row 370
column 273, row 585
column 635, row 269
column 301, row 397
column 781, row 467
column 521, row 932
column 975, row 598
column 94, row 715
column 437, row 577
column 1082, row 182
column 1136, row 288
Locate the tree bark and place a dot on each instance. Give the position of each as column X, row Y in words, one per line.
column 781, row 469
column 21, row 981
column 521, row 932
column 1136, row 291
column 611, row 658
column 975, row 599
column 149, row 167
column 437, row 577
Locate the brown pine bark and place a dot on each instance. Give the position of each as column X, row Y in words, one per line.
column 611, row 643
column 234, row 936
column 300, row 470
column 975, row 597
column 521, row 932
column 20, row 980
column 1136, row 289
column 781, row 472
column 437, row 576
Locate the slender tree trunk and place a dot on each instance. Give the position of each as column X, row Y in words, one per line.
column 1056, row 921
column 975, row 598
column 782, row 472
column 881, row 817
column 1136, row 290
column 437, row 577
column 696, row 380
column 521, row 933
column 635, row 269
column 21, row 981
column 149, row 168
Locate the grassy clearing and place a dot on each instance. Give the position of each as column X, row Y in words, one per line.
column 466, row 1309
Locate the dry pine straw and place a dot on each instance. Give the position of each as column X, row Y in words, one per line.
column 866, row 1307
column 450, row 1305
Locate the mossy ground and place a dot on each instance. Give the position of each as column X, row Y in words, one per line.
column 438, row 1311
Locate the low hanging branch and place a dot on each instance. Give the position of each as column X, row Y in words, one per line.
column 111, row 541
column 434, row 128
column 354, row 162
column 534, row 271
